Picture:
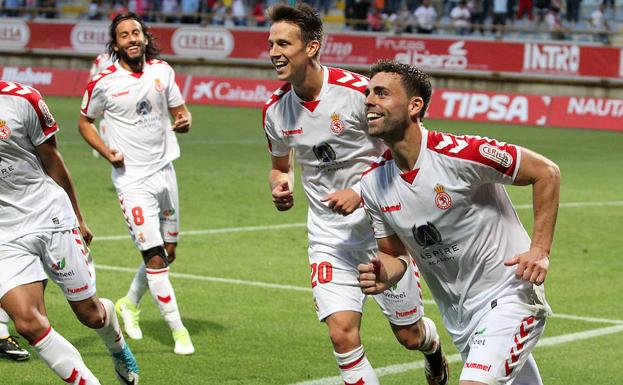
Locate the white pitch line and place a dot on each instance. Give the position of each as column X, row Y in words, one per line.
column 544, row 342
column 268, row 285
column 226, row 230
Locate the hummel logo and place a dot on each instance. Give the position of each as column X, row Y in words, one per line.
column 389, row 209
column 297, row 131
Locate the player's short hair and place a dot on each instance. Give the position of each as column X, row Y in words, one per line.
column 415, row 81
column 152, row 50
column 301, row 15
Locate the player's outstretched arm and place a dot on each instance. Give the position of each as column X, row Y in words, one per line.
column 281, row 181
column 54, row 166
column 89, row 133
column 182, row 119
column 544, row 176
column 386, row 269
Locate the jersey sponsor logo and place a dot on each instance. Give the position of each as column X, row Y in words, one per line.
column 426, row 235
column 140, row 236
column 143, row 107
column 47, row 115
column 169, row 212
column 407, row 313
column 121, row 93
column 442, row 199
column 475, row 365
column 337, row 125
column 390, row 208
column 496, row 154
column 78, row 289
column 324, row 153
column 297, row 131
column 58, row 265
column 5, row 131
column 158, row 85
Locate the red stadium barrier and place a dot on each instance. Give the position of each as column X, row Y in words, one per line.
column 546, row 59
column 521, row 109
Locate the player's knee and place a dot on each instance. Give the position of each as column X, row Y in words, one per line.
column 31, row 326
column 90, row 313
column 155, row 258
column 344, row 339
column 411, row 336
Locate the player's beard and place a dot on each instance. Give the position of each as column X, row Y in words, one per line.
column 135, row 61
column 392, row 128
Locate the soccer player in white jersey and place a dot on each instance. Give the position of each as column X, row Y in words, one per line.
column 101, row 62
column 442, row 197
column 43, row 232
column 136, row 96
column 319, row 115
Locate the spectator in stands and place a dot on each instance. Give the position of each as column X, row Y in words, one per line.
column 360, row 15
column 48, row 9
column 219, row 12
column 95, row 10
column 170, row 9
column 524, row 8
column 259, row 13
column 599, row 23
column 190, row 10
column 573, row 12
column 239, row 13
column 402, row 21
column 500, row 12
column 425, row 17
column 11, row 8
column 477, row 15
column 541, row 8
column 376, row 21
column 460, row 18
column 554, row 24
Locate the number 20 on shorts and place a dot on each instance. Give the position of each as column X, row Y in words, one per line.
column 321, row 273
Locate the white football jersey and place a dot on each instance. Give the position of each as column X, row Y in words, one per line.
column 329, row 136
column 30, row 201
column 458, row 223
column 136, row 110
column 101, row 62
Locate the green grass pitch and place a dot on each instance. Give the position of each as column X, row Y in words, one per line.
column 249, row 333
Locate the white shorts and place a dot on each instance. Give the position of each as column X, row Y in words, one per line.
column 60, row 254
column 335, row 287
column 151, row 209
column 501, row 344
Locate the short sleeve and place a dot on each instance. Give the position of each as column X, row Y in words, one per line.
column 93, row 100
column 276, row 145
column 174, row 96
column 39, row 121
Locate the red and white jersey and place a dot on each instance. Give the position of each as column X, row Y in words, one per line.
column 454, row 216
column 101, row 62
column 329, row 136
column 136, row 109
column 30, row 201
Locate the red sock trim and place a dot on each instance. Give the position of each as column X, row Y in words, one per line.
column 353, row 364
column 45, row 334
column 156, row 271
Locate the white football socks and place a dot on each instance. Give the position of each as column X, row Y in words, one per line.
column 431, row 338
column 162, row 291
column 110, row 333
column 64, row 359
column 4, row 323
column 139, row 285
column 355, row 367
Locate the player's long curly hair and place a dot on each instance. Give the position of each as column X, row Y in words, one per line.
column 152, row 51
column 415, row 81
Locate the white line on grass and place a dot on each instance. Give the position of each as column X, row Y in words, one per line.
column 401, row 368
column 227, row 230
column 268, row 285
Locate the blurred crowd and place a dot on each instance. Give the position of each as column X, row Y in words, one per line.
column 558, row 18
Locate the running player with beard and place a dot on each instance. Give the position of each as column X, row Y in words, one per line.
column 319, row 115
column 136, row 95
column 43, row 232
column 459, row 225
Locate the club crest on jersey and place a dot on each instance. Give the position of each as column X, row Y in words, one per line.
column 141, row 237
column 47, row 115
column 442, row 199
column 5, row 131
column 337, row 125
column 158, row 85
